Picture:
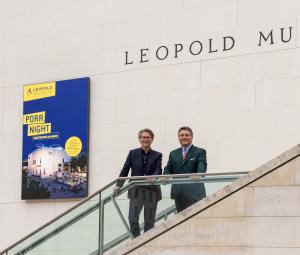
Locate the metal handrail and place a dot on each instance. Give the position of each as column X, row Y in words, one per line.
column 150, row 179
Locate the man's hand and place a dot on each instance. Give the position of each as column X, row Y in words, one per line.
column 116, row 190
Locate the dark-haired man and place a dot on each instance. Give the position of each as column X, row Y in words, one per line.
column 186, row 159
column 142, row 161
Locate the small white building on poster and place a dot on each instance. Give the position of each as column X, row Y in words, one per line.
column 45, row 161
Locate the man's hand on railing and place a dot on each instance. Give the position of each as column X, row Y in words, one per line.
column 116, row 190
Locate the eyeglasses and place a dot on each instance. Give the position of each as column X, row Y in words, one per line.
column 145, row 137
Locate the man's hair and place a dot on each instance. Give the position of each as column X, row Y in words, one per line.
column 147, row 130
column 185, row 128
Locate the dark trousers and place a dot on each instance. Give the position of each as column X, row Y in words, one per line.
column 135, row 208
column 182, row 202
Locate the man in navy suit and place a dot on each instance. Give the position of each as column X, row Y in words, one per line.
column 142, row 161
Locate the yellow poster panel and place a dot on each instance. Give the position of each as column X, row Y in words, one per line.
column 38, row 91
column 34, row 118
column 39, row 129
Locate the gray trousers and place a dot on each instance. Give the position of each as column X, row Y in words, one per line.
column 135, row 208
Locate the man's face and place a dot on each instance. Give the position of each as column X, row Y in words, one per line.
column 145, row 139
column 185, row 138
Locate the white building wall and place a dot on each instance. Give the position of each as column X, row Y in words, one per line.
column 244, row 107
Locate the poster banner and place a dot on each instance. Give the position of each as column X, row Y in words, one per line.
column 55, row 140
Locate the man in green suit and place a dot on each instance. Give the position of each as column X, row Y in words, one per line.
column 186, row 159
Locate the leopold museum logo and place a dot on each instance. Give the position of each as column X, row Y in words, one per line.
column 210, row 46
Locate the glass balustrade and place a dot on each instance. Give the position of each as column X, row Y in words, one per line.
column 101, row 222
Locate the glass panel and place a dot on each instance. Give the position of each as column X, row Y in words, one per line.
column 178, row 191
column 147, row 203
column 113, row 224
column 47, row 232
column 79, row 238
column 116, row 219
column 106, row 193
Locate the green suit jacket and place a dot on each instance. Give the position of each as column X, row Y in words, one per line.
column 194, row 162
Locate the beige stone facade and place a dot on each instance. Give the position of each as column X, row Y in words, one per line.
column 243, row 104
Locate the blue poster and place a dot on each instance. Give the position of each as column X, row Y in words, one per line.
column 55, row 140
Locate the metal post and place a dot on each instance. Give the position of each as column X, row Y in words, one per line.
column 101, row 226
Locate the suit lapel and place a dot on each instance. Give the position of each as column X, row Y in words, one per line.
column 179, row 154
column 187, row 157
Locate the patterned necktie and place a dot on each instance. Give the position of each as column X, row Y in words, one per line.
column 184, row 153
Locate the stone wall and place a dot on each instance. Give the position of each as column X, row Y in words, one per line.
column 244, row 106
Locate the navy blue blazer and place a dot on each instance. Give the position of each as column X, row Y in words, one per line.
column 134, row 162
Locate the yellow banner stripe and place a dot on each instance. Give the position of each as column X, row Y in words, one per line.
column 38, row 91
column 39, row 129
column 34, row 118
